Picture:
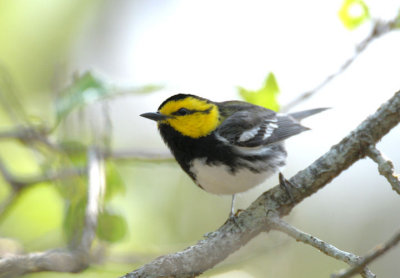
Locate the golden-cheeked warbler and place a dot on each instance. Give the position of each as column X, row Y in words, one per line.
column 226, row 147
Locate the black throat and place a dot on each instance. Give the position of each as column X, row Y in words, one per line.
column 185, row 148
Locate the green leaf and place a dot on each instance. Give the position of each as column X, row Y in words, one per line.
column 111, row 227
column 266, row 96
column 114, row 182
column 86, row 89
column 72, row 157
column 75, row 151
column 72, row 189
column 74, row 219
column 397, row 22
column 353, row 13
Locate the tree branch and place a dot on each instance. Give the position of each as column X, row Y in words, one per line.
column 73, row 259
column 29, row 135
column 231, row 236
column 385, row 167
column 326, row 248
column 96, row 191
column 372, row 255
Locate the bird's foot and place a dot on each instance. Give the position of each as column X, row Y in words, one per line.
column 287, row 186
column 233, row 217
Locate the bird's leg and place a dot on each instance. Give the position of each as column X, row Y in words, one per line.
column 287, row 186
column 232, row 213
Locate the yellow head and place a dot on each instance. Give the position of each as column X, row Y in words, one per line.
column 190, row 115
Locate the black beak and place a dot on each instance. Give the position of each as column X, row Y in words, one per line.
column 154, row 116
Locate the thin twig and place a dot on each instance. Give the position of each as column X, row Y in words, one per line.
column 9, row 97
column 136, row 155
column 39, row 134
column 326, row 248
column 18, row 183
column 380, row 28
column 139, row 155
column 29, row 135
column 137, row 90
column 385, row 168
column 371, row 256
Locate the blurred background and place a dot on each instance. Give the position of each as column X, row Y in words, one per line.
column 84, row 70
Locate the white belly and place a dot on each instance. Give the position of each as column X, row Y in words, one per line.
column 218, row 179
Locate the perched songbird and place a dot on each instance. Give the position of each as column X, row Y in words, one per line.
column 226, row 147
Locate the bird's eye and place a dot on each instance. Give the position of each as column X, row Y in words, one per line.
column 182, row 112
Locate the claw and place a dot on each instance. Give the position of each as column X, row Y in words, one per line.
column 287, row 186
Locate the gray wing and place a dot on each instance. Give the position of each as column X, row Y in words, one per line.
column 258, row 127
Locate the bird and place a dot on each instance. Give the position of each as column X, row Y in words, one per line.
column 226, row 147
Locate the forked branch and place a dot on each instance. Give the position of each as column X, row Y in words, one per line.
column 324, row 247
column 256, row 219
column 385, row 168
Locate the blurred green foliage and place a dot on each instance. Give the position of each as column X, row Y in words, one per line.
column 111, row 227
column 35, row 39
column 115, row 184
column 266, row 96
column 84, row 90
column 397, row 23
column 74, row 218
column 35, row 218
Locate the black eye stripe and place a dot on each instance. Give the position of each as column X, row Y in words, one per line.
column 183, row 111
column 188, row 111
column 207, row 111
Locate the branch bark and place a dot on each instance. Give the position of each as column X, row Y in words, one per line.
column 256, row 219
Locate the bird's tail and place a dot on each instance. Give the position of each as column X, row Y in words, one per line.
column 306, row 113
